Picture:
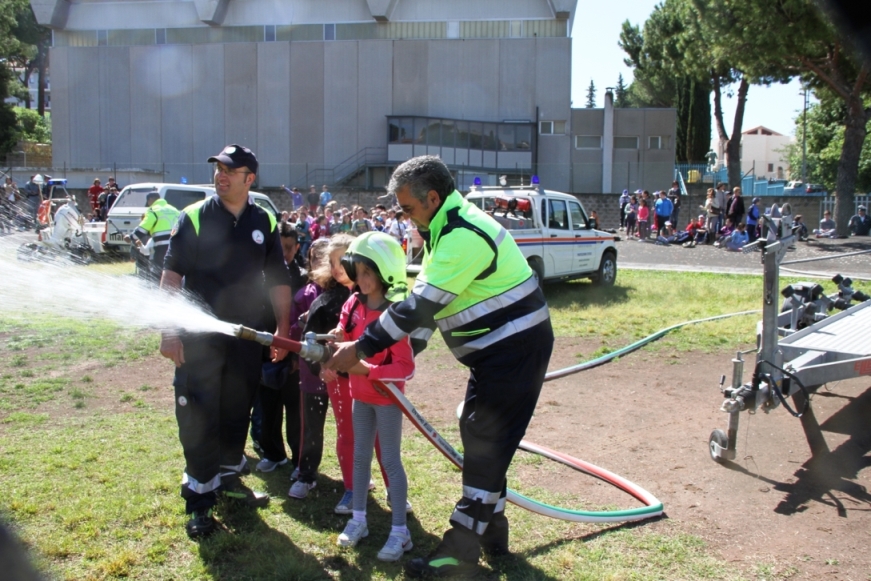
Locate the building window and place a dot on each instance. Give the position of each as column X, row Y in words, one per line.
column 329, row 32
column 102, row 37
column 552, row 128
column 625, row 143
column 269, row 33
column 160, row 36
column 770, row 167
column 588, row 142
column 654, row 142
column 515, row 29
column 453, row 30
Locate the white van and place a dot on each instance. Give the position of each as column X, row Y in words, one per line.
column 129, row 208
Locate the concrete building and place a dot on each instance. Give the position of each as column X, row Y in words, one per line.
column 334, row 92
column 616, row 149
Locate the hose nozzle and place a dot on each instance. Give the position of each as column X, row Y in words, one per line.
column 250, row 334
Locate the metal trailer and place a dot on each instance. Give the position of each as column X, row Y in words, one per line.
column 799, row 347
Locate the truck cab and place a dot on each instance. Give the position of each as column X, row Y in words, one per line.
column 552, row 229
column 127, row 212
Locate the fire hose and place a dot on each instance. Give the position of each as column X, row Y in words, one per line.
column 313, row 351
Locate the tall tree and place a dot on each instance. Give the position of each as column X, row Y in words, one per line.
column 824, row 139
column 662, row 78
column 591, row 95
column 34, row 40
column 621, row 97
column 781, row 39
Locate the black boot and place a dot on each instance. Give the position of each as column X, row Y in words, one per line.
column 233, row 489
column 201, row 524
column 457, row 554
column 494, row 542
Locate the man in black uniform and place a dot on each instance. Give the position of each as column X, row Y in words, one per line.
column 225, row 251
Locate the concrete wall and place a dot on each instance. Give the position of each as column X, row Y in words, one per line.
column 299, row 106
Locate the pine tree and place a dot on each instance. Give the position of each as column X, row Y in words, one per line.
column 621, row 98
column 591, row 95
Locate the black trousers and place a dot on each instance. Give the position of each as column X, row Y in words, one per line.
column 277, row 405
column 213, row 394
column 313, row 415
column 501, row 395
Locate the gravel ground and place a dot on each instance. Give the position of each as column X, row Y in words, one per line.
column 633, row 254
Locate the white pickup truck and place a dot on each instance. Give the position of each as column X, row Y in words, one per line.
column 127, row 212
column 552, row 230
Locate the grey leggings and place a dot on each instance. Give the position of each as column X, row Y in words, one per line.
column 386, row 421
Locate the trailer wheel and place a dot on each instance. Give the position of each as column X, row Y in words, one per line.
column 719, row 438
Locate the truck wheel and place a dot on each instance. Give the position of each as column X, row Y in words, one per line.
column 607, row 274
column 538, row 268
column 717, row 437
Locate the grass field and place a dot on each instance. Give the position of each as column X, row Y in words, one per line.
column 95, row 495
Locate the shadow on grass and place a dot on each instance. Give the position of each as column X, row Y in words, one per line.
column 581, row 293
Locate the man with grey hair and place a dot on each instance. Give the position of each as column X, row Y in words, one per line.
column 476, row 286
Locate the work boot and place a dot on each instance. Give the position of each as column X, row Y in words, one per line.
column 457, row 554
column 494, row 542
column 233, row 489
column 201, row 524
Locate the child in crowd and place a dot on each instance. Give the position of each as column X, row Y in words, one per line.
column 725, row 233
column 738, row 238
column 631, row 216
column 375, row 261
column 827, row 227
column 338, row 385
column 712, row 212
column 643, row 220
column 313, row 393
column 800, row 229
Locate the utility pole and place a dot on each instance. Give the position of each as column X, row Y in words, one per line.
column 804, row 138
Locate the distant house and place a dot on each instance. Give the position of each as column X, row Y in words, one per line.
column 763, row 153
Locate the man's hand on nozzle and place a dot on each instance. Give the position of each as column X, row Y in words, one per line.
column 344, row 356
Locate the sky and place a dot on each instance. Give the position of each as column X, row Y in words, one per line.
column 596, row 56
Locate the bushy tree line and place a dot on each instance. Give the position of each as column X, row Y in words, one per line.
column 24, row 48
column 731, row 45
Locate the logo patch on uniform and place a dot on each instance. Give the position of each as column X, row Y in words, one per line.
column 229, row 150
column 258, row 237
column 182, row 400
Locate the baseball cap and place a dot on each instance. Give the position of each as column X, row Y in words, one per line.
column 862, row 207
column 625, row 191
column 755, row 200
column 235, row 156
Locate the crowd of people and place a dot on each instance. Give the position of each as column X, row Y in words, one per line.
column 320, row 216
column 724, row 221
column 352, row 284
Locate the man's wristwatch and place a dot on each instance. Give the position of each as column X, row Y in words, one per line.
column 360, row 355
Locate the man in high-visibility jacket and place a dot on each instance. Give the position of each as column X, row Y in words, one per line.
column 155, row 227
column 476, row 286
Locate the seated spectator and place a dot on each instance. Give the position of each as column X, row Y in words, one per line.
column 827, row 227
column 697, row 230
column 860, row 224
column 738, row 238
column 594, row 220
column 725, row 233
column 800, row 229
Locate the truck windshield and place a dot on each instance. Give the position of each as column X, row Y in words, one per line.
column 181, row 199
column 132, row 198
